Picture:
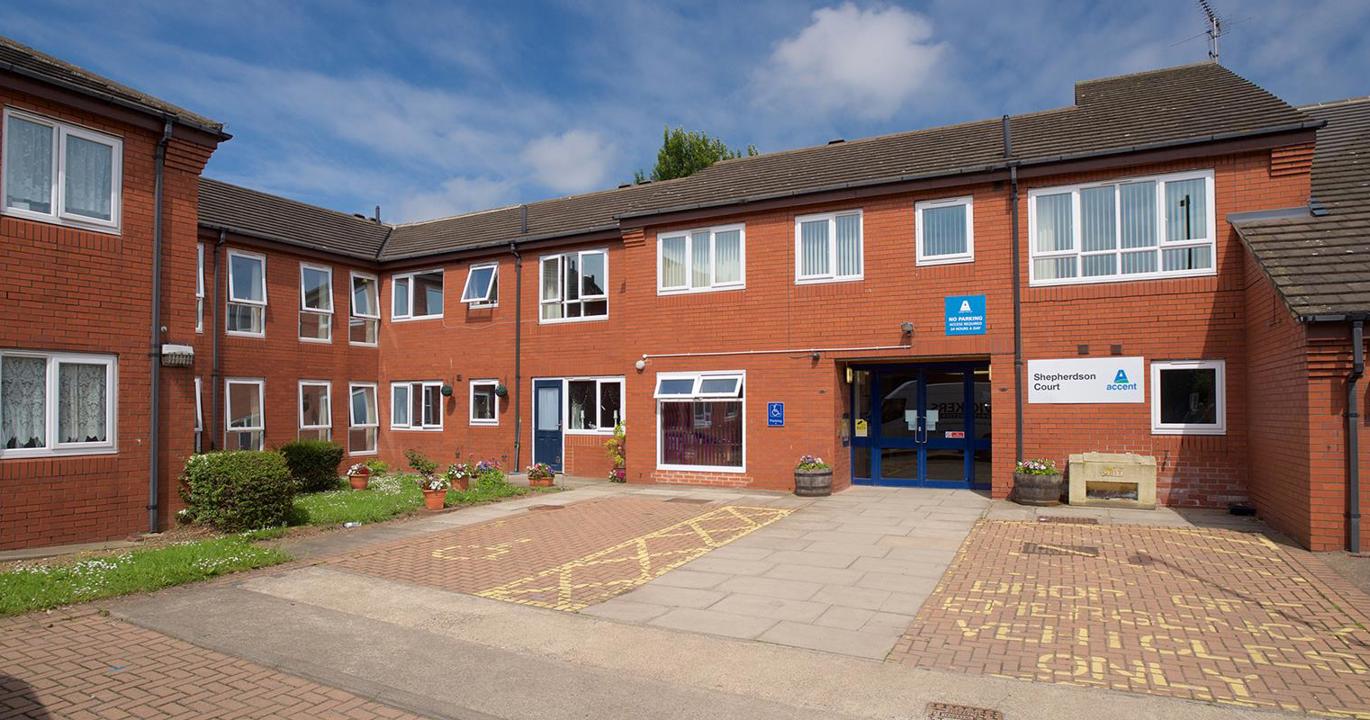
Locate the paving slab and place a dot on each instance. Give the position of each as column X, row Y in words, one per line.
column 766, row 606
column 714, row 623
column 867, row 644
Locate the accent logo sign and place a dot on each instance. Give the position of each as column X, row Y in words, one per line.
column 1086, row 380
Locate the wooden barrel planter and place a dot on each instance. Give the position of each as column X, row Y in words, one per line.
column 1039, row 490
column 813, row 483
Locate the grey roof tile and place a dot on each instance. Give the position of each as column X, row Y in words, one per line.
column 270, row 217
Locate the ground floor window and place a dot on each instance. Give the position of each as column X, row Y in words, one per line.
column 700, row 421
column 363, row 419
column 316, row 421
column 1188, row 397
column 199, row 418
column 594, row 405
column 246, row 427
column 56, row 403
column 483, row 402
column 416, row 405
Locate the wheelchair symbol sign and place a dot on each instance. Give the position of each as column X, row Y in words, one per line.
column 775, row 414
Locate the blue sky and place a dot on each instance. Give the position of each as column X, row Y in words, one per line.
column 435, row 108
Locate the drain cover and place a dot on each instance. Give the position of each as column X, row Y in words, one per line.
column 1067, row 520
column 689, row 500
column 1076, row 550
column 945, row 711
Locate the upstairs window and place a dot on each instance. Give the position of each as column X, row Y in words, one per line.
column 484, row 402
column 363, row 327
column 246, row 427
column 1153, row 227
column 363, row 419
column 945, row 231
column 594, row 405
column 482, row 286
column 56, row 403
column 416, row 296
column 316, row 418
column 416, row 406
column 575, row 286
column 60, row 173
column 200, row 288
column 828, row 247
column 316, row 303
column 246, row 294
column 700, row 260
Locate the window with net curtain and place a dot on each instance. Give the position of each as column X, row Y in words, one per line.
column 829, row 247
column 944, row 231
column 1148, row 227
column 86, row 163
column 709, row 259
column 55, row 402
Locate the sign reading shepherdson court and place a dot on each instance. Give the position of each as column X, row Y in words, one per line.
column 1086, row 380
column 965, row 314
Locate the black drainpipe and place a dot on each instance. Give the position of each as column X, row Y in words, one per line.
column 518, row 340
column 156, row 395
column 1353, row 433
column 216, row 379
column 1017, row 298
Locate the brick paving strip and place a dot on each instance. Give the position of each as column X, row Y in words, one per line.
column 1203, row 614
column 86, row 666
column 566, row 558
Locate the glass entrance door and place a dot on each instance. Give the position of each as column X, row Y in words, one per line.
column 922, row 425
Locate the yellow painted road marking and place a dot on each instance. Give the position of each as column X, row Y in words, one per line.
column 579, row 583
column 483, row 552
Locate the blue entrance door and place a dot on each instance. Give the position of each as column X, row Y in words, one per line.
column 547, row 423
column 921, row 425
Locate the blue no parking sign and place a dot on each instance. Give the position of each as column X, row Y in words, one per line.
column 965, row 314
column 775, row 414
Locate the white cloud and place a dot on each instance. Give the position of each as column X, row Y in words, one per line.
column 866, row 63
column 456, row 195
column 574, row 161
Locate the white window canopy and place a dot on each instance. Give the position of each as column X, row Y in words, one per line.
column 690, row 387
column 482, row 285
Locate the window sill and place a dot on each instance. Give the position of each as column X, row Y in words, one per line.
column 484, row 423
column 605, row 433
column 416, row 318
column 362, row 344
column 697, row 291
column 317, row 341
column 567, row 321
column 1210, row 432
column 947, row 260
column 415, row 429
column 828, row 280
column 18, row 214
column 702, row 468
column 54, row 453
column 1140, row 277
column 480, row 306
column 362, row 453
column 239, row 333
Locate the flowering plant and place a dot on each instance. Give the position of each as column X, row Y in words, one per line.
column 358, row 469
column 458, row 471
column 1039, row 466
column 485, row 466
column 810, row 462
column 429, row 481
column 540, row 471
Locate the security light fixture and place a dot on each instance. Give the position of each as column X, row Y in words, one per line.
column 640, row 365
column 906, row 327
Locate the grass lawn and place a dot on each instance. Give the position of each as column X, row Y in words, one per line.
column 390, row 496
column 39, row 587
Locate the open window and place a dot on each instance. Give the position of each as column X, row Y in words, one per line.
column 363, row 419
column 363, row 327
column 482, row 286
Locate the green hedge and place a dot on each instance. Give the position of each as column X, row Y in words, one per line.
column 313, row 463
column 238, row 490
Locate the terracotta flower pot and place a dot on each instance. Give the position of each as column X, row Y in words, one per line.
column 539, row 482
column 1038, row 490
column 434, row 499
column 462, row 484
column 360, row 480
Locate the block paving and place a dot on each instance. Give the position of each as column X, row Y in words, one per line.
column 89, row 666
column 564, row 558
column 1196, row 613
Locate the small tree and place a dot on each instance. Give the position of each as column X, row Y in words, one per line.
column 686, row 152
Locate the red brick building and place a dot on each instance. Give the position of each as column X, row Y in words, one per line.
column 919, row 309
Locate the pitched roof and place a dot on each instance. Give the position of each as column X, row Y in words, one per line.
column 1320, row 263
column 1187, row 104
column 270, row 217
column 24, row 60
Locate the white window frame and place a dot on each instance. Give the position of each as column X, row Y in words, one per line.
column 200, row 287
column 561, row 287
column 484, row 301
column 199, row 416
column 59, row 215
column 228, row 409
column 831, row 276
column 599, row 382
column 352, row 424
column 394, row 292
column 471, row 402
column 699, row 378
column 948, row 259
column 1220, row 391
column 50, row 409
column 352, row 309
column 328, row 406
column 689, row 237
column 422, row 387
column 232, row 252
column 1076, row 249
column 327, row 314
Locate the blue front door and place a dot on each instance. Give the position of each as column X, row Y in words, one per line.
column 547, row 423
column 921, row 425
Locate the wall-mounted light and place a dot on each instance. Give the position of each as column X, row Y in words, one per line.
column 640, row 365
column 906, row 327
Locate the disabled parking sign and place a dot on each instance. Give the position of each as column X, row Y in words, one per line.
column 965, row 314
column 775, row 414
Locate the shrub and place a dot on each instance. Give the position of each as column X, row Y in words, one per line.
column 422, row 465
column 313, row 463
column 378, row 466
column 238, row 490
